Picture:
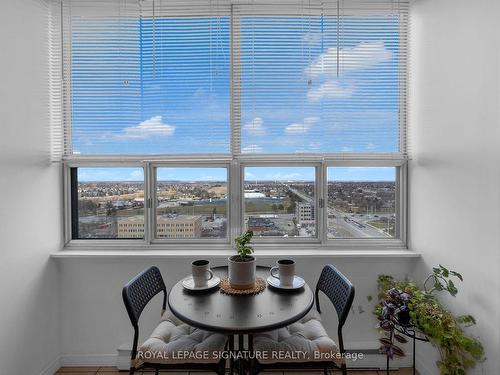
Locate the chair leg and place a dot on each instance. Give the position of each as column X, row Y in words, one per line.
column 157, row 371
column 344, row 369
column 131, row 371
column 231, row 351
column 325, row 371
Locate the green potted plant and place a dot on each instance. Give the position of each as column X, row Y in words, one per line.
column 242, row 266
column 402, row 303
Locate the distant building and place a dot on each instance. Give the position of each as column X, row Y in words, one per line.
column 131, row 227
column 179, row 226
column 251, row 194
column 260, row 224
column 305, row 213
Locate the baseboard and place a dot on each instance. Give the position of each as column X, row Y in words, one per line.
column 88, row 360
column 373, row 359
column 52, row 368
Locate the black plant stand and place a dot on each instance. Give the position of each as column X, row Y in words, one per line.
column 412, row 333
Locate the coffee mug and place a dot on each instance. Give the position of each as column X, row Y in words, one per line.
column 286, row 271
column 201, row 272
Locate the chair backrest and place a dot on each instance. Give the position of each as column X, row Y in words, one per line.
column 338, row 289
column 140, row 290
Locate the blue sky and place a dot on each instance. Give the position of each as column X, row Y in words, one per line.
column 251, row 174
column 169, row 91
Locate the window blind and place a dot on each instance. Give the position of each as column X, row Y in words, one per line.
column 322, row 76
column 219, row 76
column 146, row 77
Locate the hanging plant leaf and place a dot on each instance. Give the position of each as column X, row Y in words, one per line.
column 398, row 351
column 444, row 271
column 457, row 275
column 385, row 341
column 459, row 351
column 400, row 338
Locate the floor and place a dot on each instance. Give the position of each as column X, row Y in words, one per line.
column 114, row 371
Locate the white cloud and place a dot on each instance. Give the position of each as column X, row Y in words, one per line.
column 296, row 129
column 361, row 56
column 255, row 127
column 152, row 128
column 252, row 149
column 301, row 128
column 311, row 38
column 329, row 90
column 282, row 176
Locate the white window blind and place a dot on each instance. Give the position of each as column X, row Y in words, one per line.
column 322, row 76
column 146, row 77
column 180, row 77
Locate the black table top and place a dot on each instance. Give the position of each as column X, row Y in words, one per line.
column 239, row 314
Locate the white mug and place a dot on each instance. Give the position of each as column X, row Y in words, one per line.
column 201, row 272
column 286, row 271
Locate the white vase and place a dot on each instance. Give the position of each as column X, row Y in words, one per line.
column 241, row 274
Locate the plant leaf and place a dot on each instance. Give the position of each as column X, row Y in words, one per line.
column 398, row 351
column 385, row 341
column 454, row 273
column 452, row 289
column 444, row 271
column 400, row 338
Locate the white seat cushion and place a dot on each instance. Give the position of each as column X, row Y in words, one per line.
column 173, row 341
column 303, row 341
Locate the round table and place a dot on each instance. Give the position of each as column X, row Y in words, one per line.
column 240, row 314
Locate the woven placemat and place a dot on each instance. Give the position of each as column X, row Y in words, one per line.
column 225, row 287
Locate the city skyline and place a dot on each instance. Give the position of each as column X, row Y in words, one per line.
column 136, row 174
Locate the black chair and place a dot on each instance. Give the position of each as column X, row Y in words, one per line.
column 340, row 291
column 136, row 295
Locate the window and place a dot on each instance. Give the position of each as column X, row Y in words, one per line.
column 280, row 201
column 191, row 203
column 361, row 202
column 287, row 118
column 313, row 82
column 143, row 83
column 108, row 203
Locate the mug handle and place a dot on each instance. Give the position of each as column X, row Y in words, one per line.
column 211, row 275
column 272, row 274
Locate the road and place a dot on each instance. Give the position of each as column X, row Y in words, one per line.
column 345, row 222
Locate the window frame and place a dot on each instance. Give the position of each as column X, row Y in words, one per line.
column 235, row 161
column 317, row 199
column 153, row 166
column 68, row 203
column 401, row 175
column 235, row 169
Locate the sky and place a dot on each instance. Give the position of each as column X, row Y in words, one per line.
column 251, row 174
column 169, row 91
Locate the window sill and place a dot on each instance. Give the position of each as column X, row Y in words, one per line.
column 225, row 251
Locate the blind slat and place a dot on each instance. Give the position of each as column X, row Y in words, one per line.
column 153, row 77
column 322, row 79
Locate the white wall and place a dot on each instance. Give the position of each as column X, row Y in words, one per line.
column 30, row 189
column 455, row 173
column 94, row 320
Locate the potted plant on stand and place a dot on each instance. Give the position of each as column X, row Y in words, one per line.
column 402, row 303
column 242, row 266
